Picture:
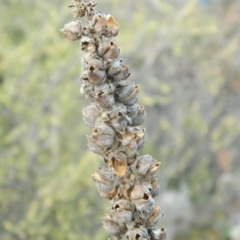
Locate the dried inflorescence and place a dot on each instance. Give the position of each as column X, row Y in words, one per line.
column 127, row 179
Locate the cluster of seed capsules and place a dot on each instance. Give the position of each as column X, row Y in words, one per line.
column 127, row 179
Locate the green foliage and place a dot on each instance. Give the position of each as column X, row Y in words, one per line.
column 186, row 60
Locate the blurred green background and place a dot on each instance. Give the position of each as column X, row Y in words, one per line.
column 185, row 55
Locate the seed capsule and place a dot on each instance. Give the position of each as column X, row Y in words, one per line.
column 133, row 139
column 122, row 211
column 112, row 227
column 90, row 115
column 118, row 71
column 138, row 234
column 104, row 95
column 157, row 234
column 88, row 44
column 108, row 49
column 103, row 183
column 155, row 216
column 127, row 93
column 99, row 22
column 137, row 114
column 143, row 164
column 141, row 197
column 104, row 179
column 72, row 30
column 153, row 172
column 95, row 71
column 101, row 139
column 118, row 118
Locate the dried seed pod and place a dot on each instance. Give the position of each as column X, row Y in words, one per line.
column 145, row 206
column 109, row 194
column 132, row 110
column 127, row 93
column 102, row 139
column 139, row 192
column 118, row 118
column 103, row 183
column 153, row 172
column 112, row 227
column 90, row 115
column 104, row 179
column 120, row 123
column 143, row 164
column 138, row 234
column 143, row 201
column 93, row 146
column 140, row 116
column 123, row 211
column 95, row 71
column 99, row 23
column 72, row 30
column 112, row 25
column 88, row 44
column 133, row 139
column 108, row 49
column 118, row 71
column 155, row 216
column 104, row 95
column 157, row 234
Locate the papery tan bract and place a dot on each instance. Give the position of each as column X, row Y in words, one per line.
column 72, row 30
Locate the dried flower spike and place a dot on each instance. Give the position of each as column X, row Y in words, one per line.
column 126, row 178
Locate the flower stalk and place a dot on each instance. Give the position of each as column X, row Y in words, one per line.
column 126, row 178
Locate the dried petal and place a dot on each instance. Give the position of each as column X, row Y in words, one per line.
column 72, row 30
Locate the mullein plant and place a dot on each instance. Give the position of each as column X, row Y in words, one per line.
column 126, row 178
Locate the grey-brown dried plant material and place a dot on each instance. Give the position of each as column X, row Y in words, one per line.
column 126, row 178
